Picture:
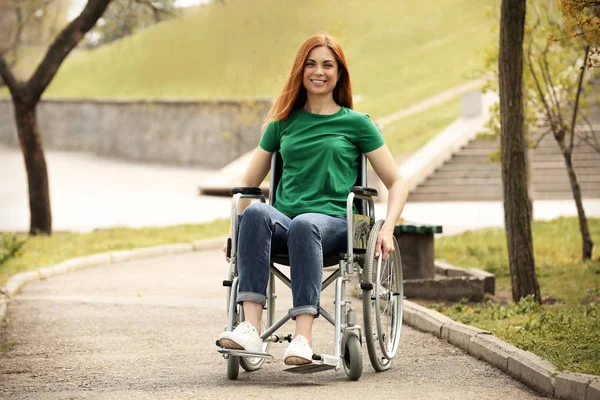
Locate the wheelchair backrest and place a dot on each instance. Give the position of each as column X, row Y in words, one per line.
column 277, row 170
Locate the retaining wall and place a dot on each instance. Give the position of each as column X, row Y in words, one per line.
column 204, row 133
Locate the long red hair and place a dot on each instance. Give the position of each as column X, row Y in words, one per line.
column 293, row 95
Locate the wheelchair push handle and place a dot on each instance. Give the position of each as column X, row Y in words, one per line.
column 228, row 247
column 248, row 190
column 364, row 191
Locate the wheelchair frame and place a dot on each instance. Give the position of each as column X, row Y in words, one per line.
column 347, row 335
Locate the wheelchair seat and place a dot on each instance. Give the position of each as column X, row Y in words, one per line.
column 276, row 173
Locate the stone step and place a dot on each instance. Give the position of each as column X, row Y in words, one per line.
column 438, row 197
column 470, row 174
column 563, row 195
column 593, row 156
column 455, row 165
column 494, row 196
column 547, row 150
column 459, row 163
column 469, row 177
column 557, row 186
column 458, row 189
column 485, row 157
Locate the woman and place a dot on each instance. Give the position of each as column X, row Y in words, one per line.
column 320, row 139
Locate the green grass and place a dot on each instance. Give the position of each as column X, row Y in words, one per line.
column 40, row 251
column 557, row 252
column 565, row 330
column 399, row 52
column 407, row 135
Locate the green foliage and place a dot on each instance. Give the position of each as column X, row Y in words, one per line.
column 567, row 333
column 550, row 74
column 40, row 251
column 396, row 52
column 10, row 246
column 582, row 19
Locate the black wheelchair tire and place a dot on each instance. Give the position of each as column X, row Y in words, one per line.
column 372, row 327
column 352, row 359
column 233, row 367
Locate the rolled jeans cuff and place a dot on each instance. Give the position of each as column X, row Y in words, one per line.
column 311, row 310
column 251, row 296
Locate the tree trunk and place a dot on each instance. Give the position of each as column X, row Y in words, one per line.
column 35, row 164
column 517, row 210
column 586, row 238
column 26, row 96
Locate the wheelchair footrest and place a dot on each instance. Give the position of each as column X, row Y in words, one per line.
column 325, row 363
column 243, row 353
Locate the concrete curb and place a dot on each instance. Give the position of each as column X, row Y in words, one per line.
column 522, row 365
column 18, row 281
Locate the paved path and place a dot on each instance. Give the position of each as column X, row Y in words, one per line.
column 90, row 192
column 145, row 330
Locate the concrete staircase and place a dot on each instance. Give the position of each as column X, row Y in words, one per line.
column 469, row 175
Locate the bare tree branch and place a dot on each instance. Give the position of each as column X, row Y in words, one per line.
column 541, row 93
column 540, row 138
column 66, row 40
column 582, row 134
column 9, row 79
column 157, row 11
column 552, row 87
column 577, row 96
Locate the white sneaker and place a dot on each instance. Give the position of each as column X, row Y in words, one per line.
column 298, row 352
column 243, row 337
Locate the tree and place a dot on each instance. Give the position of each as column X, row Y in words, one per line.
column 517, row 205
column 25, row 27
column 126, row 17
column 558, row 100
column 26, row 95
column 558, row 91
column 582, row 18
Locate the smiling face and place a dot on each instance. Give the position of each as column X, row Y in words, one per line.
column 321, row 71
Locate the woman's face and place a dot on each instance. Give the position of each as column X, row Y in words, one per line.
column 320, row 71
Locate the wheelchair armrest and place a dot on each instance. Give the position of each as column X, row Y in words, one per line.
column 364, row 191
column 246, row 190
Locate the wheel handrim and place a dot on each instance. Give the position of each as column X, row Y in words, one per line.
column 387, row 287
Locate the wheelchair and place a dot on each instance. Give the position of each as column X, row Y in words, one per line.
column 381, row 289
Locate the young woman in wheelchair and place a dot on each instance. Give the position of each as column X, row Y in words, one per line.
column 320, row 138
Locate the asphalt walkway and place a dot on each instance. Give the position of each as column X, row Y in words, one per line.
column 146, row 329
column 89, row 192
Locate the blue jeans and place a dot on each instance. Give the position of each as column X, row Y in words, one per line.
column 306, row 238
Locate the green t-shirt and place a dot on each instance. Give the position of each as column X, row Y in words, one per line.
column 320, row 158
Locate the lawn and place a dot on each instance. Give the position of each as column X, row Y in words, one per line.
column 40, row 251
column 566, row 328
column 409, row 134
column 398, row 52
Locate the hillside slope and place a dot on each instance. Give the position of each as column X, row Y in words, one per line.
column 399, row 51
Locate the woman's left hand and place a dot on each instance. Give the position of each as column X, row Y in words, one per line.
column 385, row 243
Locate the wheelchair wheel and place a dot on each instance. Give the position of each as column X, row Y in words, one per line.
column 353, row 361
column 250, row 364
column 382, row 303
column 233, row 367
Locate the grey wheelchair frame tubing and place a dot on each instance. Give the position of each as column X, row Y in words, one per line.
column 346, row 265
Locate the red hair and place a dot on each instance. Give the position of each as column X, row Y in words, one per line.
column 293, row 95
